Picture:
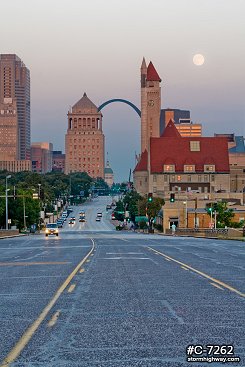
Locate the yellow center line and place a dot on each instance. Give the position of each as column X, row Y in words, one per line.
column 26, row 337
column 227, row 286
column 34, row 263
column 54, row 319
column 217, row 286
column 71, row 288
column 183, row 267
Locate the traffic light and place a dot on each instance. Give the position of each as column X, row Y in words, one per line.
column 172, row 197
column 150, row 198
column 210, row 210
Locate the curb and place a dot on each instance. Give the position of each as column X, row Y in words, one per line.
column 14, row 235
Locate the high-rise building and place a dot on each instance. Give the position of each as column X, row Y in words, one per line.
column 84, row 141
column 14, row 108
column 182, row 121
column 42, row 157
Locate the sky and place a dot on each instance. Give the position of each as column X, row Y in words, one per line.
column 97, row 46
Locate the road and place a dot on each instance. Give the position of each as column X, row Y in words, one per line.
column 94, row 297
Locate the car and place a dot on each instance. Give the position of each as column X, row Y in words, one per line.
column 71, row 221
column 73, row 218
column 108, row 207
column 99, row 214
column 51, row 228
column 82, row 219
column 98, row 219
column 59, row 223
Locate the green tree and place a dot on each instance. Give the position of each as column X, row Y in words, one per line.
column 223, row 214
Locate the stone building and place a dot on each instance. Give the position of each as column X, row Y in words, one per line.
column 84, row 141
column 170, row 160
column 189, row 164
column 109, row 175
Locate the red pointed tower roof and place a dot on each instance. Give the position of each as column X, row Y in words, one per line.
column 152, row 74
column 170, row 131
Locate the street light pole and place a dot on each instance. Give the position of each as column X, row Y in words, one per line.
column 6, row 197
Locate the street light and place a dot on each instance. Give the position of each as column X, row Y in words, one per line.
column 185, row 214
column 6, row 196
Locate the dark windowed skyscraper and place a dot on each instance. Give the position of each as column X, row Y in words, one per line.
column 15, row 101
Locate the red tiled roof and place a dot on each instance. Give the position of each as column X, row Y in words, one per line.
column 176, row 150
column 170, row 130
column 152, row 74
column 142, row 164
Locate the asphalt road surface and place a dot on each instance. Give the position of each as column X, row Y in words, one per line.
column 100, row 298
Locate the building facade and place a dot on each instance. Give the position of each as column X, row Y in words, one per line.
column 15, row 100
column 42, row 157
column 58, row 161
column 15, row 165
column 236, row 145
column 84, row 141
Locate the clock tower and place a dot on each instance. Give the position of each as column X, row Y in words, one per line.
column 150, row 104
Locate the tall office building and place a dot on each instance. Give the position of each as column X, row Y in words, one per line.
column 14, row 108
column 85, row 139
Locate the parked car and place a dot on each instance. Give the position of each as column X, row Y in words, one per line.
column 98, row 219
column 99, row 214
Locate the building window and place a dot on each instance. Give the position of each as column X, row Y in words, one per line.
column 154, row 178
column 209, row 168
column 195, row 146
column 189, row 178
column 205, row 178
column 154, row 189
column 212, row 178
column 165, row 178
column 199, row 178
column 169, row 168
column 189, row 168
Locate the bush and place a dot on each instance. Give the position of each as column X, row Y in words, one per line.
column 159, row 227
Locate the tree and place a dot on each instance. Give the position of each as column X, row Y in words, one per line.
column 223, row 214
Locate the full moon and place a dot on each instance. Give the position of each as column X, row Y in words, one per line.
column 198, row 59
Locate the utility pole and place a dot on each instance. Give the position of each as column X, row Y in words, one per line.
column 6, row 198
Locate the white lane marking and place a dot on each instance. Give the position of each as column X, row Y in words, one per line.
column 38, row 276
column 127, row 258
column 172, row 312
column 42, row 247
column 124, row 253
